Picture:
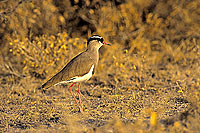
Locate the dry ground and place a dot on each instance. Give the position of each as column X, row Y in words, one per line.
column 139, row 97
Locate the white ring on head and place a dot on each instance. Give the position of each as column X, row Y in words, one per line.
column 96, row 37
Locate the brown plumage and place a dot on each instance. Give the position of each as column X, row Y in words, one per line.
column 80, row 68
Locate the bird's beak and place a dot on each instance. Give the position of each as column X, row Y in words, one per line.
column 106, row 43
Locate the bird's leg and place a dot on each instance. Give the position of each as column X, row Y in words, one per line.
column 79, row 95
column 70, row 89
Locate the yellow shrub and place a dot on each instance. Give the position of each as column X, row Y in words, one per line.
column 45, row 53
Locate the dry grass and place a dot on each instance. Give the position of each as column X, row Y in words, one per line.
column 147, row 81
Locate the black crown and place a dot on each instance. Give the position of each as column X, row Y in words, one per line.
column 95, row 37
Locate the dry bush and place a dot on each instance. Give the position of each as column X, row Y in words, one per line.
column 153, row 29
column 27, row 19
column 45, row 54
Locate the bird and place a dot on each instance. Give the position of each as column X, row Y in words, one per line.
column 79, row 69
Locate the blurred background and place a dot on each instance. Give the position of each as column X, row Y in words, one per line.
column 148, row 80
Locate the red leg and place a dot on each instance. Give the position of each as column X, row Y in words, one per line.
column 70, row 89
column 79, row 95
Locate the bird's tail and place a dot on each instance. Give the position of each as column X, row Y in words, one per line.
column 48, row 84
column 41, row 88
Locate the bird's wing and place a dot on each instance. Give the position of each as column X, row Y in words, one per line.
column 78, row 66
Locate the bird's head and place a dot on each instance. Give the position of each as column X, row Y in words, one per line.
column 96, row 41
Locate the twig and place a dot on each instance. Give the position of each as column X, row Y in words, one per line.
column 8, row 68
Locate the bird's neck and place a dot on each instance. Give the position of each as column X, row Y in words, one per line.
column 94, row 54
